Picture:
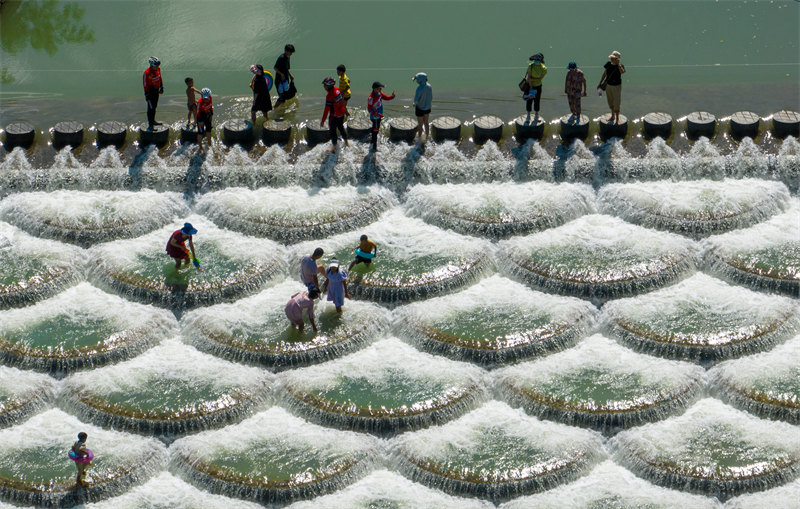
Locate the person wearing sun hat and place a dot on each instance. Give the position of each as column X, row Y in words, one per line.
column 612, row 77
column 336, row 285
column 176, row 247
column 575, row 88
column 535, row 73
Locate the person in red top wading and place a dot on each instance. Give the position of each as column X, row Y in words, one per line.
column 153, row 87
column 335, row 105
column 205, row 110
column 176, row 247
column 375, row 108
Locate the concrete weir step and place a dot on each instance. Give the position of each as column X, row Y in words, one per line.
column 158, row 135
column 701, row 123
column 786, row 123
column 19, row 134
column 276, row 131
column 488, row 127
column 529, row 127
column 657, row 124
column 237, row 131
column 66, row 133
column 445, row 128
column 359, row 128
column 402, row 129
column 615, row 130
column 574, row 128
column 745, row 123
column 111, row 133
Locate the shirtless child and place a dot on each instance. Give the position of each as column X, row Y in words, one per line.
column 363, row 250
column 191, row 102
column 79, row 451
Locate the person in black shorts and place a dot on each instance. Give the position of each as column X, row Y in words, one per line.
column 423, row 98
column 261, row 99
column 205, row 110
column 283, row 76
column 366, row 246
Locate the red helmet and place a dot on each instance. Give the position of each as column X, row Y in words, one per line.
column 329, row 81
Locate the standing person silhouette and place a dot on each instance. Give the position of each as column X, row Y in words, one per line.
column 153, row 87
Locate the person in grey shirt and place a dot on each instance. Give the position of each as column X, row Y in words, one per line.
column 309, row 269
column 423, row 98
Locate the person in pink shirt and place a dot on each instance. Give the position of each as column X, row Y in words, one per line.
column 297, row 303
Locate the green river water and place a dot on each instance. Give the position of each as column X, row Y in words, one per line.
column 83, row 60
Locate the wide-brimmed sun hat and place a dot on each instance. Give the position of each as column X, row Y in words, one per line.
column 188, row 229
column 615, row 54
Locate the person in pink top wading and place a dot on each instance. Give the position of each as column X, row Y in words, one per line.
column 297, row 303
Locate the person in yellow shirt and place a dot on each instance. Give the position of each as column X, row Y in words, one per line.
column 344, row 86
column 536, row 71
column 365, row 252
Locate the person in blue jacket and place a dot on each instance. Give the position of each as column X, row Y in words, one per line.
column 423, row 98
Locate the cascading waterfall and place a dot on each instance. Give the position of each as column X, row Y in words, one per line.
column 35, row 469
column 698, row 208
column 295, row 214
column 767, row 384
column 765, row 256
column 601, row 385
column 33, row 269
column 661, row 162
column 704, row 161
column 748, row 161
column 496, row 321
column 233, row 266
column 388, row 387
column 496, row 453
column 712, row 449
column 89, row 217
column 702, row 319
column 788, row 163
column 80, row 328
column 500, row 210
column 598, row 257
column 168, row 391
column 22, row 394
column 255, row 330
column 415, row 260
column 274, row 457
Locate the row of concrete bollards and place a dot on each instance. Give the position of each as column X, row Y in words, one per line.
column 403, row 129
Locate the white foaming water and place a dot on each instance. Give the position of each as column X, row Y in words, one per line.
column 616, row 163
column 22, row 393
column 580, row 164
column 661, row 161
column 294, row 213
column 380, row 362
column 94, row 216
column 696, row 208
column 704, row 311
column 232, row 245
column 171, row 360
column 788, row 164
column 600, row 257
column 781, row 229
column 610, row 486
column 275, row 155
column 405, row 237
column 704, row 161
column 83, row 301
column 65, row 159
column 499, row 292
column 748, row 161
column 539, row 165
column 712, row 448
column 384, row 489
column 107, row 158
column 15, row 161
column 657, row 378
column 500, row 209
column 236, row 156
column 496, row 165
column 783, row 496
column 165, row 491
column 767, row 384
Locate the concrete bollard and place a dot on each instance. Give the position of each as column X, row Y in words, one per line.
column 276, row 131
column 745, row 123
column 237, row 131
column 446, row 128
column 572, row 128
column 67, row 133
column 19, row 134
column 657, row 124
column 786, row 123
column 488, row 127
column 616, row 130
column 111, row 133
column 700, row 123
column 158, row 136
column 317, row 133
column 527, row 127
column 403, row 129
column 359, row 128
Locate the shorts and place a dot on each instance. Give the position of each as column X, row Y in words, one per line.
column 204, row 122
column 191, row 106
column 365, row 261
column 421, row 113
column 282, row 88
